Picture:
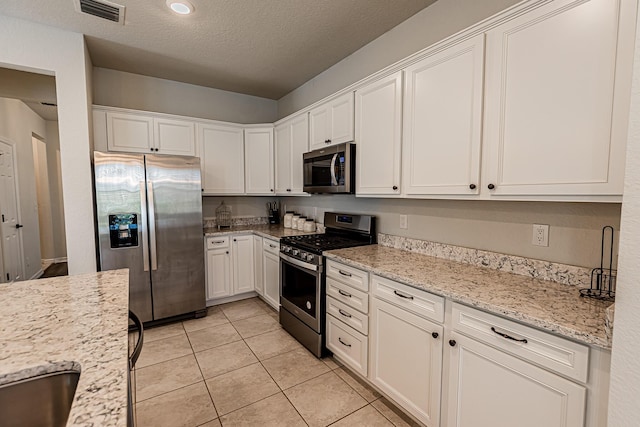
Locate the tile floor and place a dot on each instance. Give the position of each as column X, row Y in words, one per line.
column 238, row 367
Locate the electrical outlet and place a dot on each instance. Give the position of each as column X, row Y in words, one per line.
column 540, row 235
column 404, row 222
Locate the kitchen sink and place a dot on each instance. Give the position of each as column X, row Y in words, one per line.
column 44, row 400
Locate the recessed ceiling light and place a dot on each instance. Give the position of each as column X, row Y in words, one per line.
column 181, row 7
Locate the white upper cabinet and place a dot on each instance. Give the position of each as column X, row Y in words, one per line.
column 258, row 160
column 222, row 159
column 378, row 136
column 550, row 85
column 137, row 133
column 332, row 122
column 292, row 141
column 443, row 121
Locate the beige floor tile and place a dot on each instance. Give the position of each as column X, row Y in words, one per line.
column 274, row 411
column 166, row 376
column 214, row 336
column 163, row 350
column 324, row 399
column 255, row 325
column 393, row 414
column 242, row 309
column 225, row 358
column 213, row 318
column 161, row 332
column 186, row 407
column 294, row 367
column 367, row 416
column 272, row 344
column 241, row 387
column 331, row 362
column 363, row 389
column 214, row 423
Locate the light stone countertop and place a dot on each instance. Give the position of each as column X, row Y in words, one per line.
column 264, row 230
column 71, row 323
column 551, row 306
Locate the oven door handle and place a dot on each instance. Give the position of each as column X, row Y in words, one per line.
column 299, row 263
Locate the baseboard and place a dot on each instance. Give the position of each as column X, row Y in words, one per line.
column 38, row 274
column 233, row 298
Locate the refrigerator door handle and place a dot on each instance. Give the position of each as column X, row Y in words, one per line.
column 152, row 227
column 143, row 226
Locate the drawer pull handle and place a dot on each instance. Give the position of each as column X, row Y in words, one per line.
column 272, row 246
column 509, row 337
column 344, row 273
column 341, row 292
column 343, row 343
column 409, row 297
column 218, row 241
column 344, row 313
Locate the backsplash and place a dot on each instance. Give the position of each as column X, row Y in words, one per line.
column 544, row 270
column 237, row 221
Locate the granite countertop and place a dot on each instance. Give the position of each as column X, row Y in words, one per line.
column 71, row 323
column 551, row 306
column 265, row 230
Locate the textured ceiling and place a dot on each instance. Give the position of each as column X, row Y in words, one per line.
column 259, row 47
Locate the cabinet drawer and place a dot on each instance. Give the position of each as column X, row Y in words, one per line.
column 414, row 300
column 351, row 276
column 353, row 318
column 348, row 295
column 217, row 242
column 271, row 246
column 549, row 351
column 348, row 344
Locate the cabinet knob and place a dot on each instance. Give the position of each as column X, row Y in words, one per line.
column 452, row 343
column 395, row 187
column 472, row 186
column 288, row 189
column 272, row 190
column 235, row 240
column 227, row 252
column 151, row 148
column 491, row 186
column 434, row 334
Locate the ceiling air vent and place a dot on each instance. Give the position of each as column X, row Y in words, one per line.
column 102, row 9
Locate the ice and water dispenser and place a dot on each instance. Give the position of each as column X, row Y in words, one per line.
column 123, row 230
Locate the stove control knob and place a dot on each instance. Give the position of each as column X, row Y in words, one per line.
column 286, row 249
column 303, row 255
column 295, row 252
column 309, row 257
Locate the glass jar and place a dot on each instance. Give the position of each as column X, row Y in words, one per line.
column 301, row 222
column 294, row 221
column 309, row 225
column 287, row 219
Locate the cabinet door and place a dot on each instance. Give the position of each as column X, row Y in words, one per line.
column 378, row 133
column 443, row 121
column 299, row 146
column 175, row 137
column 490, row 388
column 243, row 275
column 549, row 100
column 218, row 273
column 319, row 125
column 406, row 360
column 341, row 122
column 283, row 158
column 258, row 160
column 271, row 265
column 257, row 266
column 132, row 133
column 222, row 158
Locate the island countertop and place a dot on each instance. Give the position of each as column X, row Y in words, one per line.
column 547, row 305
column 71, row 323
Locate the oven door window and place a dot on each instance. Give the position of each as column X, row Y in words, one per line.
column 300, row 287
column 325, row 171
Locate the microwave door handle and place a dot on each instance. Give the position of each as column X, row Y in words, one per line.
column 334, row 180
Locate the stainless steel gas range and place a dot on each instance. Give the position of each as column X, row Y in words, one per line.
column 302, row 274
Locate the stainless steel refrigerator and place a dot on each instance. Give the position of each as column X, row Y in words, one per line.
column 149, row 214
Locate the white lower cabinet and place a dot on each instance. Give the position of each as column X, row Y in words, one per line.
column 406, row 359
column 257, row 265
column 488, row 387
column 271, row 272
column 218, row 268
column 243, row 276
column 230, row 266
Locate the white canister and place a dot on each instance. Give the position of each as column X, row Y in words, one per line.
column 309, row 225
column 301, row 222
column 294, row 221
column 287, row 219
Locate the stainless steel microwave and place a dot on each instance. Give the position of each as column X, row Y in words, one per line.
column 330, row 169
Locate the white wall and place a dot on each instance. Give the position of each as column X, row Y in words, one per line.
column 55, row 190
column 127, row 90
column 434, row 23
column 41, row 172
column 38, row 48
column 17, row 124
column 624, row 407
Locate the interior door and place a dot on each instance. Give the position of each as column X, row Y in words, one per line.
column 176, row 247
column 11, row 247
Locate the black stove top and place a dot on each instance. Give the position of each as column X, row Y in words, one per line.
column 317, row 243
